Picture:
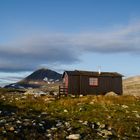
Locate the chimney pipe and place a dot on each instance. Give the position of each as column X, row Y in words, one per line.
column 99, row 70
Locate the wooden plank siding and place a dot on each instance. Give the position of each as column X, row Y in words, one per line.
column 78, row 83
column 73, row 87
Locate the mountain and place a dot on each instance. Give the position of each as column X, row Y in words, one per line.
column 131, row 86
column 37, row 79
column 41, row 75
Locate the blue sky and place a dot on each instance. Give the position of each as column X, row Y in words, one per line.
column 67, row 35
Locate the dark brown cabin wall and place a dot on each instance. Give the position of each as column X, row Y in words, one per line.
column 84, row 85
column 86, row 88
column 79, row 84
column 105, row 84
column 118, row 85
column 108, row 84
column 73, row 87
column 121, row 86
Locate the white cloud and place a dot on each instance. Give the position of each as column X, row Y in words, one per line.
column 28, row 52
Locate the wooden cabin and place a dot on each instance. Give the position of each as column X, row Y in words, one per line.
column 91, row 83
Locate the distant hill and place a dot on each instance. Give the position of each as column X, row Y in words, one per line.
column 131, row 86
column 42, row 75
column 37, row 78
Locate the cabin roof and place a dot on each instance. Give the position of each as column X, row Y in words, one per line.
column 92, row 73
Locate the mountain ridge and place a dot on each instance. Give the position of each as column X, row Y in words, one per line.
column 38, row 78
column 40, row 74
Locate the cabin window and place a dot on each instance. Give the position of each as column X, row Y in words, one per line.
column 93, row 81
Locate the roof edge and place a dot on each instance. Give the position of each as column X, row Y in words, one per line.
column 94, row 73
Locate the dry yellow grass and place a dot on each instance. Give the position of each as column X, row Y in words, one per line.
column 122, row 113
column 131, row 86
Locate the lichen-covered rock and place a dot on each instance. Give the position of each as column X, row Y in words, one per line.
column 73, row 137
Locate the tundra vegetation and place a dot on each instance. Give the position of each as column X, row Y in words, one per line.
column 86, row 118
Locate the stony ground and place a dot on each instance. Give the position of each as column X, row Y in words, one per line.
column 32, row 117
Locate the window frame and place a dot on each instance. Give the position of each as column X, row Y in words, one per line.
column 93, row 81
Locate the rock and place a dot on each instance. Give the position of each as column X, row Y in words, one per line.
column 104, row 133
column 43, row 122
column 92, row 126
column 34, row 124
column 24, row 97
column 85, row 123
column 13, row 113
column 80, row 121
column 73, row 137
column 135, row 111
column 73, row 96
column 65, row 110
column 26, row 120
column 108, row 117
column 98, row 123
column 91, row 103
column 126, row 111
column 20, row 126
column 67, row 124
column 26, row 123
column 2, row 121
column 49, row 135
column 109, row 128
column 16, row 99
column 59, row 124
column 11, row 129
column 137, row 115
column 124, row 106
column 16, row 132
column 12, row 119
column 80, row 109
column 138, row 128
column 4, row 132
column 102, row 126
column 111, row 94
column 18, row 122
column 40, row 124
column 54, row 128
column 69, row 129
column 44, row 113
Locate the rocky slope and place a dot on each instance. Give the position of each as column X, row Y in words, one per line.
column 131, row 86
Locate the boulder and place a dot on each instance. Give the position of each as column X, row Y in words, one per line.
column 111, row 94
